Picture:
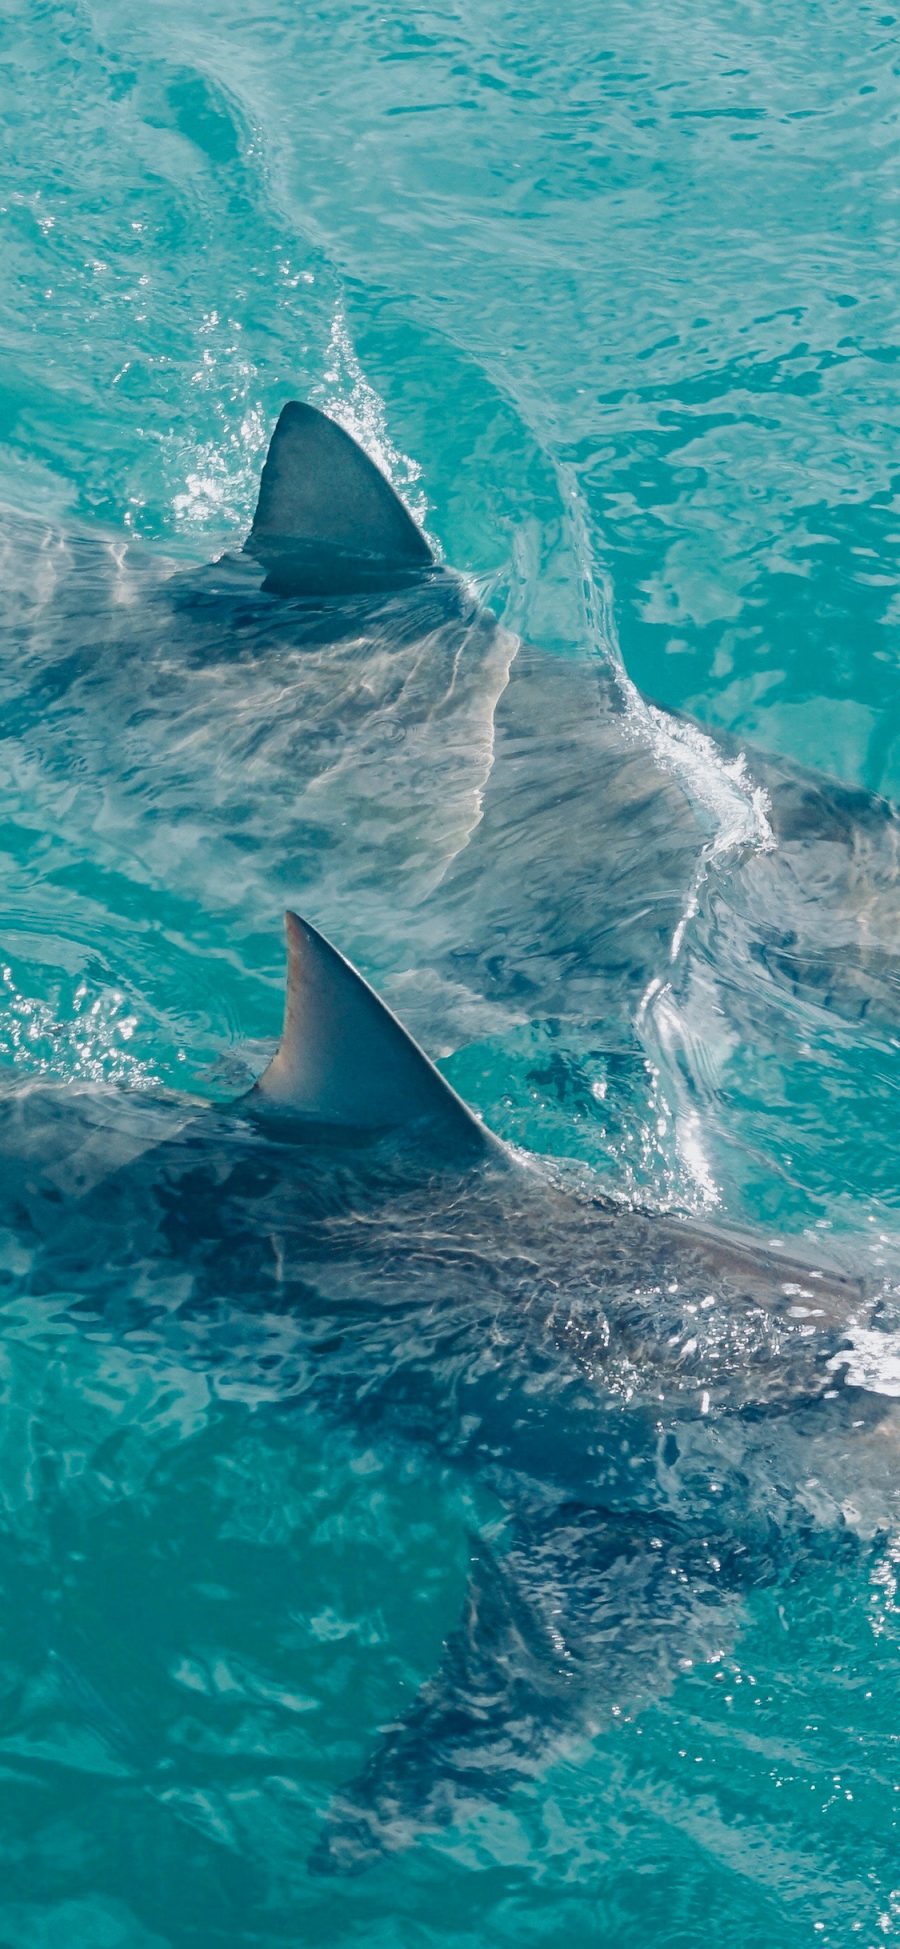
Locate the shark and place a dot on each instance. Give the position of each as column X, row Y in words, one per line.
column 506, row 835
column 664, row 1417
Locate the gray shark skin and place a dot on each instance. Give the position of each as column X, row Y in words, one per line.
column 659, row 1414
column 333, row 715
column 333, row 743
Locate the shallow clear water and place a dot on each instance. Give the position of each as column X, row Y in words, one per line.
column 612, row 299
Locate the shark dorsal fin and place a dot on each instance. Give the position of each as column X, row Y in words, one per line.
column 320, row 492
column 344, row 1059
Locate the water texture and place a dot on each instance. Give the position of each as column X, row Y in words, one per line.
column 610, row 296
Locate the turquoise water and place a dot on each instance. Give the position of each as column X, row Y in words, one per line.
column 612, row 299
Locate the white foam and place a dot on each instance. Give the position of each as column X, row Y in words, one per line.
column 721, row 787
column 349, row 397
column 872, row 1361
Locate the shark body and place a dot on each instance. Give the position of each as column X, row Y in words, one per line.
column 348, row 1237
column 333, row 715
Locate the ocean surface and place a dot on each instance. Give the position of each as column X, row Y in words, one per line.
column 610, row 294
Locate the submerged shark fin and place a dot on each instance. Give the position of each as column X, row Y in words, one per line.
column 345, row 1059
column 324, row 506
column 586, row 1615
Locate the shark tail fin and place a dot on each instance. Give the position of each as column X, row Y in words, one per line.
column 320, row 493
column 345, row 1060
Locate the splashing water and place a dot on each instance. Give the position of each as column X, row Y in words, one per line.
column 88, row 1042
column 349, row 397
